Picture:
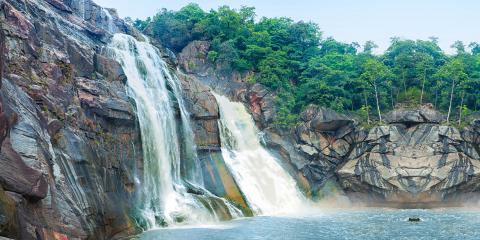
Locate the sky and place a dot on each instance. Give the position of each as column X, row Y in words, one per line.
column 348, row 20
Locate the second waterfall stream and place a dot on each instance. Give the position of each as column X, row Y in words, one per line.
column 269, row 189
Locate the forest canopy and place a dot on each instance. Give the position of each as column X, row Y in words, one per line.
column 294, row 60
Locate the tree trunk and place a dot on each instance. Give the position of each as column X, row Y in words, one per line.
column 376, row 98
column 366, row 105
column 451, row 100
column 391, row 96
column 404, row 84
column 461, row 109
column 423, row 85
column 436, row 98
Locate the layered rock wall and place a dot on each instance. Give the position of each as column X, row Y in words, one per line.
column 70, row 148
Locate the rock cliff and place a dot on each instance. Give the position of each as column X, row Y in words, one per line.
column 412, row 158
column 69, row 138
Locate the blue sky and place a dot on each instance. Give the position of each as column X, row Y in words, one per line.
column 349, row 20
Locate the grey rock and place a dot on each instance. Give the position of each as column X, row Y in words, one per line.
column 73, row 145
column 324, row 120
column 414, row 116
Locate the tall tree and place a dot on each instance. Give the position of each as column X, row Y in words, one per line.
column 369, row 46
column 475, row 48
column 375, row 73
column 459, row 46
column 454, row 71
column 423, row 66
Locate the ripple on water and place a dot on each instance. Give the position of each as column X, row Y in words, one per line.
column 342, row 224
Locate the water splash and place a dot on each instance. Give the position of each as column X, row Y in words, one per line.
column 269, row 189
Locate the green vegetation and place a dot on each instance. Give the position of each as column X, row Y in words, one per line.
column 294, row 60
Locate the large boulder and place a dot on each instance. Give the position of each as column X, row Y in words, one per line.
column 323, row 119
column 193, row 58
column 423, row 114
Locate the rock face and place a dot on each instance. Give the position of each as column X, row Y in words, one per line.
column 324, row 138
column 68, row 133
column 413, row 158
column 423, row 114
column 204, row 111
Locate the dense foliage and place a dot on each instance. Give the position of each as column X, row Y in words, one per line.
column 292, row 59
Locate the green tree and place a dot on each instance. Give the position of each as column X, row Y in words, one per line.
column 369, row 46
column 375, row 73
column 453, row 71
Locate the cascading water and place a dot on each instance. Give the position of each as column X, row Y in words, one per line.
column 171, row 170
column 269, row 189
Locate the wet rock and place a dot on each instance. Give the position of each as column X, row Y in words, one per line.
column 17, row 177
column 203, row 108
column 262, row 104
column 69, row 143
column 101, row 101
column 109, row 68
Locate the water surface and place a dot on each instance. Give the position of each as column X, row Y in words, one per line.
column 378, row 223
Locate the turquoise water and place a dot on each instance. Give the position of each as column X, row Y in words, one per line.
column 342, row 224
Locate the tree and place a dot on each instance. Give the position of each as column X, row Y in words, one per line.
column 369, row 46
column 475, row 48
column 374, row 73
column 423, row 66
column 459, row 46
column 454, row 71
column 177, row 29
column 293, row 61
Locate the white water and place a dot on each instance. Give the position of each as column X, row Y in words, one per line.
column 164, row 195
column 269, row 189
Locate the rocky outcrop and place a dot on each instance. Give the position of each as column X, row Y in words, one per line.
column 325, row 138
column 424, row 114
column 70, row 148
column 413, row 158
column 193, row 58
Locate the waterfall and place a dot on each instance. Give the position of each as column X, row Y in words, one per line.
column 171, row 189
column 269, row 189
